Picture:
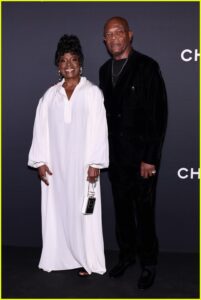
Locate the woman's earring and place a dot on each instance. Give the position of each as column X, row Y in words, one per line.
column 60, row 76
column 80, row 70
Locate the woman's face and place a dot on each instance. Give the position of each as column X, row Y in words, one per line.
column 69, row 66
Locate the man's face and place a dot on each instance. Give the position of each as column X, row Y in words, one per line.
column 117, row 38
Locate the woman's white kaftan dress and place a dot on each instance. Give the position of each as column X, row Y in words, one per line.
column 69, row 136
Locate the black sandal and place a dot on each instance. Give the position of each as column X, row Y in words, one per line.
column 83, row 273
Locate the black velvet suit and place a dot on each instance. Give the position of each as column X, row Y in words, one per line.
column 136, row 112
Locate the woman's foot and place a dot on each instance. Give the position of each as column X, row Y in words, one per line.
column 83, row 273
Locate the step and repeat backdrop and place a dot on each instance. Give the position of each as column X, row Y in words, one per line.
column 169, row 33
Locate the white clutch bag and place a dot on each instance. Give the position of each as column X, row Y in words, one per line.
column 89, row 200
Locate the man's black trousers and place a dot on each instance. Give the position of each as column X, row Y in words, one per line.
column 134, row 202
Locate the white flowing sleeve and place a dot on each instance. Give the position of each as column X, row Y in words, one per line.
column 97, row 142
column 38, row 154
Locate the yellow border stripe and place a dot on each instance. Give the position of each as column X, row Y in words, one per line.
column 79, row 1
column 88, row 1
column 1, row 152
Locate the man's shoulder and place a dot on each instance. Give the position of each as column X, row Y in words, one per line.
column 136, row 56
column 105, row 65
column 144, row 60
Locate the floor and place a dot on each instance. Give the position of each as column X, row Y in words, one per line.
column 177, row 277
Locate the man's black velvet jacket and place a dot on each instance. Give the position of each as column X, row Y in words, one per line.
column 136, row 110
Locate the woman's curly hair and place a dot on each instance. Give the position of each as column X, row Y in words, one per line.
column 69, row 44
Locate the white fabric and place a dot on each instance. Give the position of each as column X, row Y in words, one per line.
column 69, row 136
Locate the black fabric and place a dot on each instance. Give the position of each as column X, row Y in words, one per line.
column 136, row 110
column 134, row 201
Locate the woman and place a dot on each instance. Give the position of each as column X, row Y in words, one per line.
column 69, row 148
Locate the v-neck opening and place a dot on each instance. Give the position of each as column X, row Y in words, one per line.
column 79, row 83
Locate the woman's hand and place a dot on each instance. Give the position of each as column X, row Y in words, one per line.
column 93, row 174
column 42, row 170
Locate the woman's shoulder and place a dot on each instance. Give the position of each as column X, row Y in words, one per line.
column 90, row 86
column 53, row 88
column 94, row 95
column 50, row 92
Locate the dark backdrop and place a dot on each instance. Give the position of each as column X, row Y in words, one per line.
column 168, row 32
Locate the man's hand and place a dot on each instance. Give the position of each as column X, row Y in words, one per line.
column 93, row 174
column 147, row 170
column 42, row 170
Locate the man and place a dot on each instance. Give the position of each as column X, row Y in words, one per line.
column 136, row 106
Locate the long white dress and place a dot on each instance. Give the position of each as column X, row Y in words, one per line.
column 69, row 136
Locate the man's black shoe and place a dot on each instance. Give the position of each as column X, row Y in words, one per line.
column 120, row 268
column 147, row 277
